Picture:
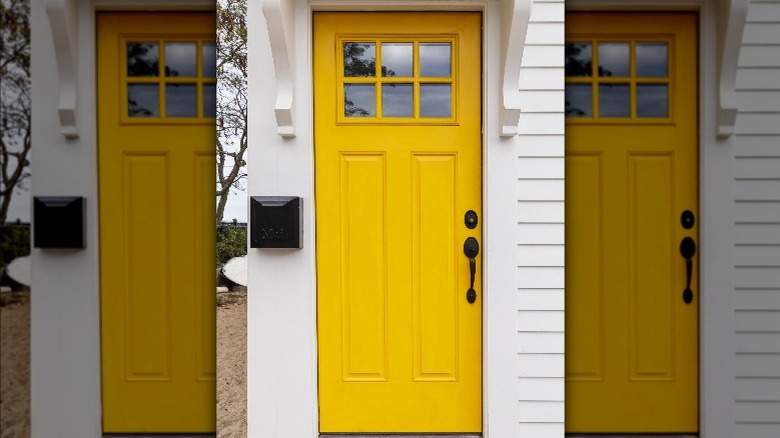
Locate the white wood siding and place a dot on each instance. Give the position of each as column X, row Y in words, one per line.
column 540, row 227
column 757, row 227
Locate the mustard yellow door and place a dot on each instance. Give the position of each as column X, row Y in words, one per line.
column 631, row 174
column 156, row 130
column 398, row 166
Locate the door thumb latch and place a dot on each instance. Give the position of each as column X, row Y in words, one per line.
column 471, row 250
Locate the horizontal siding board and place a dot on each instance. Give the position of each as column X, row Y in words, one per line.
column 759, row 101
column 540, row 190
column 757, row 389
column 541, row 411
column 761, row 33
column 541, row 342
column 759, row 56
column 541, row 78
column 757, row 190
column 767, row 321
column 552, row 33
column 757, row 365
column 542, row 101
column 763, row 255
column 762, row 234
column 541, row 299
column 754, row 411
column 757, row 343
column 540, row 234
column 757, row 430
column 542, row 146
column 541, row 123
column 758, row 123
column 540, row 278
column 547, row 12
column 760, row 167
column 763, row 13
column 755, row 278
column 540, row 168
column 757, row 211
column 540, row 321
column 541, row 430
column 541, row 255
column 758, row 146
column 758, row 79
column 540, row 365
column 766, row 299
column 539, row 211
column 540, row 389
column 543, row 56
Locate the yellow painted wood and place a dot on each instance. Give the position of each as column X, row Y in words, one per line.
column 156, row 244
column 631, row 341
column 399, row 345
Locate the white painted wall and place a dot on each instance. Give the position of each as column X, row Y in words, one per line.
column 65, row 332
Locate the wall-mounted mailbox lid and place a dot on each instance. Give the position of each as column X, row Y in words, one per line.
column 276, row 222
column 59, row 222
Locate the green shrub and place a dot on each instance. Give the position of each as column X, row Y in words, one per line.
column 231, row 242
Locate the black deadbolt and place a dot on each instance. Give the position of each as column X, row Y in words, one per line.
column 471, row 219
column 687, row 219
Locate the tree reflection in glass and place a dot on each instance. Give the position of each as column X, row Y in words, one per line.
column 360, row 61
column 143, row 100
column 579, row 100
column 579, row 60
column 142, row 59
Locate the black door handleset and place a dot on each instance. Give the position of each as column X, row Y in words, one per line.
column 471, row 250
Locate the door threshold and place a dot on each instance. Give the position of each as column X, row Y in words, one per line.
column 400, row 435
column 632, row 435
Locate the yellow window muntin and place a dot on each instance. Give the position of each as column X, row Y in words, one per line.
column 632, row 80
column 161, row 80
column 415, row 80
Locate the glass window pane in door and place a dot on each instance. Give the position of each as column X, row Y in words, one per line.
column 180, row 59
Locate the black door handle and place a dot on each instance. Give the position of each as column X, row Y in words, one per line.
column 471, row 249
column 688, row 250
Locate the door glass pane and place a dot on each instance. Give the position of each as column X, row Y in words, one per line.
column 181, row 100
column 143, row 100
column 359, row 100
column 397, row 59
column 436, row 100
column 579, row 100
column 397, row 100
column 652, row 100
column 435, row 60
column 651, row 60
column 359, row 59
column 613, row 100
column 613, row 59
column 180, row 59
column 209, row 100
column 209, row 55
column 579, row 59
column 142, row 59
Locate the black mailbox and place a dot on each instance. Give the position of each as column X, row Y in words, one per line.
column 59, row 222
column 276, row 222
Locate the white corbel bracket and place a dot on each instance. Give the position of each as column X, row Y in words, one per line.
column 279, row 21
column 62, row 21
column 514, row 27
column 731, row 21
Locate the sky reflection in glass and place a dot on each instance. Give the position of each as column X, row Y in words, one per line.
column 579, row 100
column 181, row 100
column 180, row 59
column 613, row 100
column 651, row 60
column 397, row 59
column 435, row 60
column 143, row 100
column 435, row 100
column 613, row 59
column 359, row 100
column 652, row 100
column 397, row 100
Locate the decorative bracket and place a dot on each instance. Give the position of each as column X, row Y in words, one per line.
column 731, row 21
column 63, row 23
column 514, row 27
column 279, row 16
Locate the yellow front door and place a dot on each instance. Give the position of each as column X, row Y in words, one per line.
column 398, row 166
column 631, row 176
column 156, row 131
